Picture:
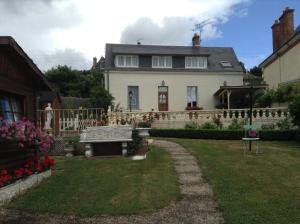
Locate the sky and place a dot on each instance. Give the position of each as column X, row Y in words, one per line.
column 72, row 32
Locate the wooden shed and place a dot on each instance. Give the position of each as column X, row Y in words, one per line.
column 20, row 80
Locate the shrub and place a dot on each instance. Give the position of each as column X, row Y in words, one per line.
column 235, row 125
column 266, row 99
column 294, row 108
column 217, row 121
column 135, row 144
column 268, row 126
column 285, row 124
column 192, row 125
column 222, row 134
column 24, row 134
column 209, row 126
column 144, row 124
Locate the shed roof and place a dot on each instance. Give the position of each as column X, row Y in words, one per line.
column 8, row 43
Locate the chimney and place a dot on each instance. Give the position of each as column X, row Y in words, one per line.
column 286, row 21
column 277, row 37
column 283, row 29
column 94, row 62
column 196, row 40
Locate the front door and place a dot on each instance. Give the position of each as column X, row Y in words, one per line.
column 163, row 98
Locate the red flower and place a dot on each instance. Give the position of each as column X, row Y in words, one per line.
column 39, row 168
column 4, row 172
column 18, row 173
column 28, row 172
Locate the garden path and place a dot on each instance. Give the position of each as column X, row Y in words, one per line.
column 196, row 206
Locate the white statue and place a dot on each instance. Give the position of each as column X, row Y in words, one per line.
column 49, row 115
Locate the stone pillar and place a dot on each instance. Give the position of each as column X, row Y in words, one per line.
column 88, row 150
column 124, row 148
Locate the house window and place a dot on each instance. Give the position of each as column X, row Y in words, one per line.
column 192, row 96
column 127, row 61
column 195, row 62
column 161, row 61
column 11, row 108
column 133, row 97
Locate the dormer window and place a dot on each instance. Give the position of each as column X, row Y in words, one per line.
column 127, row 61
column 196, row 62
column 161, row 61
column 226, row 64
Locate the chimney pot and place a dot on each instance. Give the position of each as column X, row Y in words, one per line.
column 196, row 40
column 94, row 62
column 283, row 29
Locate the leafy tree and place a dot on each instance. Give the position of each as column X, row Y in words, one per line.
column 81, row 84
column 294, row 108
column 100, row 98
column 266, row 99
column 257, row 71
column 62, row 78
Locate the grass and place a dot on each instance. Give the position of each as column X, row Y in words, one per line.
column 251, row 189
column 94, row 187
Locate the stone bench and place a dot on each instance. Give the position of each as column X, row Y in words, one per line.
column 106, row 134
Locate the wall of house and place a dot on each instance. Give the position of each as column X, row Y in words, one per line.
column 284, row 69
column 14, row 80
column 177, row 82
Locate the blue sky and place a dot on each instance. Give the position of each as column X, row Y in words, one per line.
column 251, row 35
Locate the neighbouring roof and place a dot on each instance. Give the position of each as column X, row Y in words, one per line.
column 245, row 88
column 48, row 96
column 10, row 45
column 215, row 55
column 290, row 43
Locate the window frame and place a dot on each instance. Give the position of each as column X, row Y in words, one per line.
column 198, row 62
column 187, row 97
column 137, row 107
column 15, row 103
column 164, row 61
column 125, row 58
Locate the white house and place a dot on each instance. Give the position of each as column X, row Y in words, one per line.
column 282, row 66
column 173, row 78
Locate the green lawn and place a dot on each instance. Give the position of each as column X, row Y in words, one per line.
column 104, row 186
column 251, row 189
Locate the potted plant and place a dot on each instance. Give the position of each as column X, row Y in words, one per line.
column 70, row 144
column 143, row 128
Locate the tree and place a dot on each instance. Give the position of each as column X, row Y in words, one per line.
column 294, row 108
column 74, row 83
column 257, row 71
column 100, row 98
column 63, row 78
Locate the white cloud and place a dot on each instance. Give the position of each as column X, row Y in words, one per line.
column 50, row 25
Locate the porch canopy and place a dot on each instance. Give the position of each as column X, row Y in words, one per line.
column 234, row 97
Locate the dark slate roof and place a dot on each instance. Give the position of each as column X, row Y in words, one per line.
column 48, row 96
column 215, row 55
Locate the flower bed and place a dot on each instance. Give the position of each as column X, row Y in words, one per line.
column 32, row 166
column 12, row 190
column 21, row 142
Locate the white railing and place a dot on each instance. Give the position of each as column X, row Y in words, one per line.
column 66, row 122
column 71, row 121
column 178, row 119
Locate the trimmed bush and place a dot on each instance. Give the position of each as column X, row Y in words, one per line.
column 208, row 125
column 222, row 134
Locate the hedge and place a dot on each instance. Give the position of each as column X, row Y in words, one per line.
column 223, row 134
